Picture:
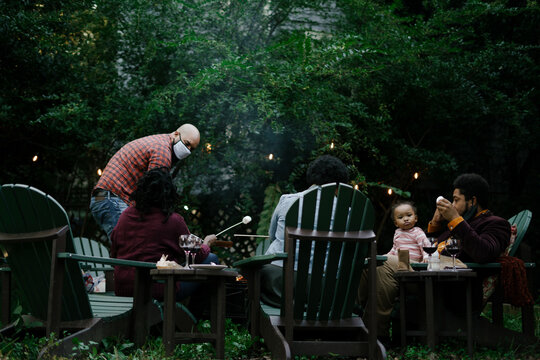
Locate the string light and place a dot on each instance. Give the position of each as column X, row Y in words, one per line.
column 186, row 207
column 390, row 191
column 271, row 157
column 208, row 147
column 356, row 187
column 99, row 172
column 416, row 175
column 332, row 145
column 35, row 158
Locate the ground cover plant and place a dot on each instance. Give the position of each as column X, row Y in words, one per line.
column 240, row 345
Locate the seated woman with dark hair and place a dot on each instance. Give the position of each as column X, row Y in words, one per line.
column 151, row 229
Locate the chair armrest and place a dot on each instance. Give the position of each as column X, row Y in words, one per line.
column 495, row 265
column 419, row 266
column 108, row 261
column 259, row 260
column 380, row 260
column 34, row 236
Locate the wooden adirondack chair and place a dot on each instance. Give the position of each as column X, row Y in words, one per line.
column 316, row 316
column 521, row 221
column 35, row 233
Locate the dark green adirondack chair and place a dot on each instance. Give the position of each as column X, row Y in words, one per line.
column 528, row 322
column 36, row 236
column 316, row 316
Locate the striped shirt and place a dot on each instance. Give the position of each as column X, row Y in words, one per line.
column 129, row 164
column 412, row 240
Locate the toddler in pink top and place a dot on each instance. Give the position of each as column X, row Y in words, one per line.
column 408, row 236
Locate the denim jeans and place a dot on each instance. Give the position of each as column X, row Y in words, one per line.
column 106, row 212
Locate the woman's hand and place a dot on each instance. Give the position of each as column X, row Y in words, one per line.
column 209, row 240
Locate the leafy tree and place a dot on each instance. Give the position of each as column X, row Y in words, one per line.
column 390, row 87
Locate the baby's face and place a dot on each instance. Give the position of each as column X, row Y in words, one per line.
column 404, row 217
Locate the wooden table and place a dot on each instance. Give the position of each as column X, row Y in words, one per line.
column 214, row 280
column 431, row 279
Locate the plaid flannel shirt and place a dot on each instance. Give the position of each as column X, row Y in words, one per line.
column 128, row 165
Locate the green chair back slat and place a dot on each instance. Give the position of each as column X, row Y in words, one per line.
column 90, row 247
column 316, row 283
column 329, row 285
column 328, row 292
column 309, row 202
column 342, row 280
column 301, row 289
column 360, row 254
column 342, row 207
column 25, row 209
column 522, row 221
column 362, row 215
column 326, row 203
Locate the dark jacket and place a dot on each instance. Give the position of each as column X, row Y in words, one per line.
column 483, row 238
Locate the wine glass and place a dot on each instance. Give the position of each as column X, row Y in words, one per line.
column 452, row 246
column 430, row 246
column 186, row 243
column 197, row 242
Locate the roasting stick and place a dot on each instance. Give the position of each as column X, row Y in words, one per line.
column 245, row 220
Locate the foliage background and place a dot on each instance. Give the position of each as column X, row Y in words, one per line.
column 438, row 87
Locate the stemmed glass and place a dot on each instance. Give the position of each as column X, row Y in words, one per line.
column 452, row 246
column 430, row 246
column 187, row 243
column 197, row 242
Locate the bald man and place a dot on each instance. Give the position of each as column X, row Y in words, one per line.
column 111, row 195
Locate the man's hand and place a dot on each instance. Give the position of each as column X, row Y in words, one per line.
column 446, row 210
column 209, row 240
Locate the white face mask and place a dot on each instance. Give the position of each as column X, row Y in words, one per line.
column 180, row 150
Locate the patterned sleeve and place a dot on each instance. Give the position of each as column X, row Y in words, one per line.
column 422, row 240
column 160, row 155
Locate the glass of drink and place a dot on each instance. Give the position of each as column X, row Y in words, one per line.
column 197, row 242
column 186, row 243
column 430, row 246
column 452, row 246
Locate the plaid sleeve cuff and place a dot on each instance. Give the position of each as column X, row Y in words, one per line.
column 452, row 224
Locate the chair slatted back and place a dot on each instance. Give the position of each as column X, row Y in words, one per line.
column 24, row 209
column 522, row 221
column 90, row 247
column 325, row 286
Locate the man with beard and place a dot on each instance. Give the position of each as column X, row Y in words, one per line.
column 111, row 195
column 483, row 237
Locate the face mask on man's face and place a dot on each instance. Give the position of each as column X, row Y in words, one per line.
column 180, row 150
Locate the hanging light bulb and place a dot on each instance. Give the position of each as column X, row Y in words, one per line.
column 332, row 145
column 208, row 147
column 416, row 175
column 390, row 191
column 35, row 158
column 356, row 187
column 99, row 172
column 270, row 156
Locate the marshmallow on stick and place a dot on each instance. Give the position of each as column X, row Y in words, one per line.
column 245, row 220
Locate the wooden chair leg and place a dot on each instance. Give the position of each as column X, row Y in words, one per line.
column 497, row 305
column 527, row 320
